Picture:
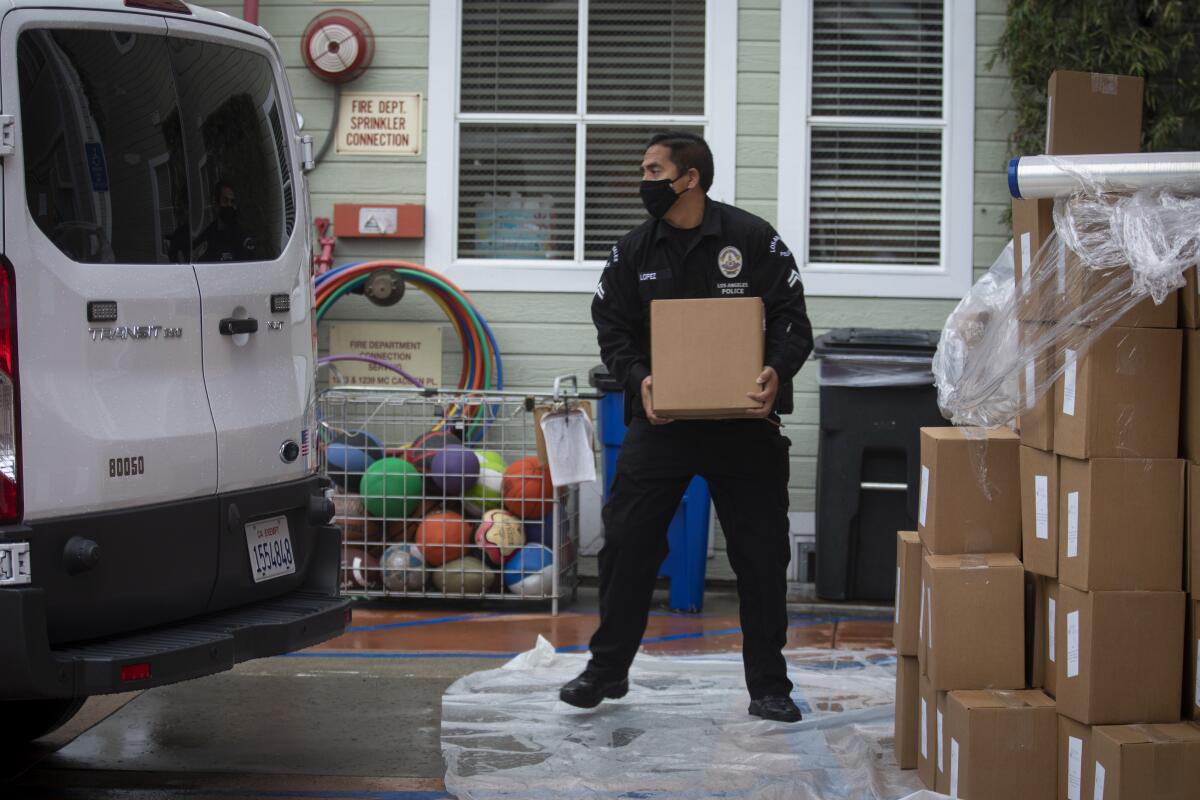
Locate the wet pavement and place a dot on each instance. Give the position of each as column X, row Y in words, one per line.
column 358, row 717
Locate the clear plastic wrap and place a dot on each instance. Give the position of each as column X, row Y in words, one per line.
column 681, row 732
column 1027, row 322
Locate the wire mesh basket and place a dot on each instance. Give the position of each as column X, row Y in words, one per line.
column 443, row 494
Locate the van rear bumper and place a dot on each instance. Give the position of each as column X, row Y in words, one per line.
column 30, row 667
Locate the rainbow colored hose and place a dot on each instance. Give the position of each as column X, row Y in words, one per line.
column 482, row 369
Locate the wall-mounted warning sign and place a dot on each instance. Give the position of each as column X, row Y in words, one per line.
column 380, row 124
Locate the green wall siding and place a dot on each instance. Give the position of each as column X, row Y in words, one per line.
column 544, row 335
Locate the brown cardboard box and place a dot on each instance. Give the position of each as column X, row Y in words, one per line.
column 1093, row 113
column 1191, row 685
column 1051, row 284
column 908, row 698
column 1192, row 564
column 1037, row 282
column 927, row 735
column 1075, row 762
column 705, row 355
column 975, row 621
column 970, row 500
column 1035, row 632
column 1190, row 422
column 906, row 633
column 1037, row 423
column 1122, row 522
column 1189, row 301
column 1121, row 400
column 1119, row 656
column 1039, row 511
column 1002, row 745
column 1152, row 761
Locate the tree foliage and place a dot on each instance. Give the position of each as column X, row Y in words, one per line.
column 1155, row 39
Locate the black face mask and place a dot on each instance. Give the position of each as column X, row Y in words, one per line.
column 659, row 196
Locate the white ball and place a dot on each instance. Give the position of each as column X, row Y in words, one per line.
column 403, row 568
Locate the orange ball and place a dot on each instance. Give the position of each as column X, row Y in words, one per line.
column 527, row 489
column 442, row 536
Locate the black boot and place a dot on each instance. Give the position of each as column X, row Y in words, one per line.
column 589, row 689
column 776, row 707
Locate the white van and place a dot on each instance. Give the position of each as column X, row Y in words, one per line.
column 160, row 513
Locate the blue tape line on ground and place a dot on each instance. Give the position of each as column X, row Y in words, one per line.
column 390, row 654
column 415, row 623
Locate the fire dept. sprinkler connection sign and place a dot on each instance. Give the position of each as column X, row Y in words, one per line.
column 415, row 347
column 380, row 124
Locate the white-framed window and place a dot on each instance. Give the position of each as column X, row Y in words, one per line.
column 537, row 113
column 876, row 145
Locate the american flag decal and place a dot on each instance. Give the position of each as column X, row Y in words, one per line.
column 304, row 442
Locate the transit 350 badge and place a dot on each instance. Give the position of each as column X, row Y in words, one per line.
column 729, row 261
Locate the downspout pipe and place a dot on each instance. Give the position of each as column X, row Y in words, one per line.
column 250, row 11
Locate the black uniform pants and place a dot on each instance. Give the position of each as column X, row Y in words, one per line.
column 746, row 465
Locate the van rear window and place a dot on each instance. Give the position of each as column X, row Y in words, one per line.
column 144, row 149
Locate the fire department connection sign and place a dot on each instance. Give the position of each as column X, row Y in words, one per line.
column 415, row 347
column 380, row 124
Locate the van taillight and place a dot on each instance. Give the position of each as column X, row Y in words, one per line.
column 10, row 482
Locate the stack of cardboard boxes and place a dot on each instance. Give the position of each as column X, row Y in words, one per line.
column 1060, row 675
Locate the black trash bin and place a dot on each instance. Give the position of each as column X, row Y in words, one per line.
column 876, row 393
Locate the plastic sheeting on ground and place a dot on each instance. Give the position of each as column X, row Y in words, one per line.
column 681, row 732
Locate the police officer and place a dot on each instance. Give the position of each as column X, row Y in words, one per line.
column 696, row 247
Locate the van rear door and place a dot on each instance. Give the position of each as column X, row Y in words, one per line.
column 252, row 256
column 113, row 408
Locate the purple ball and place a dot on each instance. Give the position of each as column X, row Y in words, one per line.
column 454, row 470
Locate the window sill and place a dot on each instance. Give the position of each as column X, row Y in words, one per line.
column 508, row 275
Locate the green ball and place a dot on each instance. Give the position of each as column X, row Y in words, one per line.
column 487, row 493
column 391, row 488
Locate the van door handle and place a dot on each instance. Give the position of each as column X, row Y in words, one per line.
column 231, row 326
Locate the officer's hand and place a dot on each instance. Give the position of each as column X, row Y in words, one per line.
column 648, row 403
column 769, row 381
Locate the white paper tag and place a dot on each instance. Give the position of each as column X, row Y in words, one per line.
column 1072, row 524
column 897, row 595
column 921, row 620
column 1069, row 383
column 924, row 730
column 1074, row 767
column 1030, row 385
column 929, row 600
column 1041, row 505
column 1026, row 260
column 941, row 739
column 1098, row 787
column 1050, row 628
column 569, row 448
column 954, row 768
column 924, row 494
column 1073, row 644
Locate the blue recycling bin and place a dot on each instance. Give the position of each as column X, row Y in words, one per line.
column 687, row 537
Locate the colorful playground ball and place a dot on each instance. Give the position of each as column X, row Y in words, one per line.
column 499, row 536
column 442, row 536
column 421, row 452
column 463, row 576
column 530, row 571
column 360, row 568
column 391, row 488
column 527, row 490
column 360, row 440
column 488, row 491
column 403, row 568
column 454, row 469
column 345, row 465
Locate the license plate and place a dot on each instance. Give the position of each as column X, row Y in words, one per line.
column 270, row 546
